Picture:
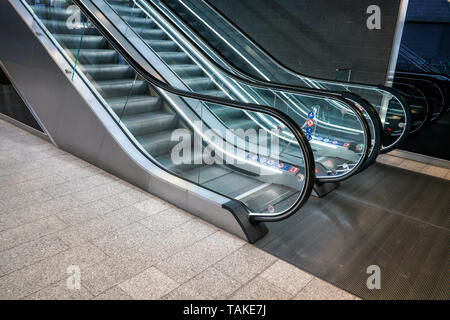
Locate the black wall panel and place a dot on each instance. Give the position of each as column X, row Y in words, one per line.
column 315, row 37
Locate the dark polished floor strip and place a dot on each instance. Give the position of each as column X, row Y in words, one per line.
column 386, row 216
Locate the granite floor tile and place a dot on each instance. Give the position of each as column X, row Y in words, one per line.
column 245, row 263
column 114, row 293
column 99, row 277
column 191, row 261
column 124, row 239
column 152, row 205
column 286, row 277
column 150, row 284
column 260, row 289
column 166, row 220
column 31, row 231
column 213, row 283
column 60, row 291
column 29, row 253
column 11, row 218
column 85, row 212
column 318, row 289
column 37, row 276
column 26, row 199
column 125, row 199
column 184, row 292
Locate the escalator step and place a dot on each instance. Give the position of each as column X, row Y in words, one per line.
column 142, row 22
column 187, row 70
column 159, row 143
column 72, row 41
column 127, row 9
column 150, row 122
column 149, row 33
column 61, row 27
column 199, row 83
column 163, row 45
column 117, row 88
column 134, row 104
column 214, row 93
column 95, row 56
column 48, row 3
column 109, row 71
column 174, row 57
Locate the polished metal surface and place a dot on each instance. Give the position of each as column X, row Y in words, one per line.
column 396, row 43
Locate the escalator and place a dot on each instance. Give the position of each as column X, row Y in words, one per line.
column 234, row 50
column 100, row 98
column 337, row 124
column 339, row 138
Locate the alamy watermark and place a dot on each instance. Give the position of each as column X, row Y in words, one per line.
column 73, row 281
column 374, row 280
column 374, row 20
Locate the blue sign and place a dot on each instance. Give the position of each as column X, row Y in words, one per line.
column 311, row 115
column 309, row 130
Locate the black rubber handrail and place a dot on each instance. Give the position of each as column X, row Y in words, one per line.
column 425, row 84
column 309, row 92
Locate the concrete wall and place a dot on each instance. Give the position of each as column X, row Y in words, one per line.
column 316, row 37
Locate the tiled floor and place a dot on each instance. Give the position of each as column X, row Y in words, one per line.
column 414, row 166
column 59, row 214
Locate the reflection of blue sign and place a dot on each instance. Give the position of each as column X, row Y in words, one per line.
column 311, row 115
column 309, row 130
column 309, row 137
column 273, row 163
column 334, row 142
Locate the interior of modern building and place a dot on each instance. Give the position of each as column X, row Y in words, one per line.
column 224, row 149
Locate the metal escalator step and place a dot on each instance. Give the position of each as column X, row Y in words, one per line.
column 163, row 45
column 118, row 88
column 73, row 41
column 52, row 13
column 61, row 27
column 53, row 3
column 94, row 56
column 158, row 143
column 145, row 123
column 141, row 22
column 174, row 57
column 214, row 93
column 120, row 2
column 270, row 195
column 128, row 9
column 124, row 106
column 149, row 33
column 192, row 162
column 205, row 174
column 243, row 123
column 225, row 113
column 189, row 70
column 233, row 183
column 199, row 83
column 108, row 71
